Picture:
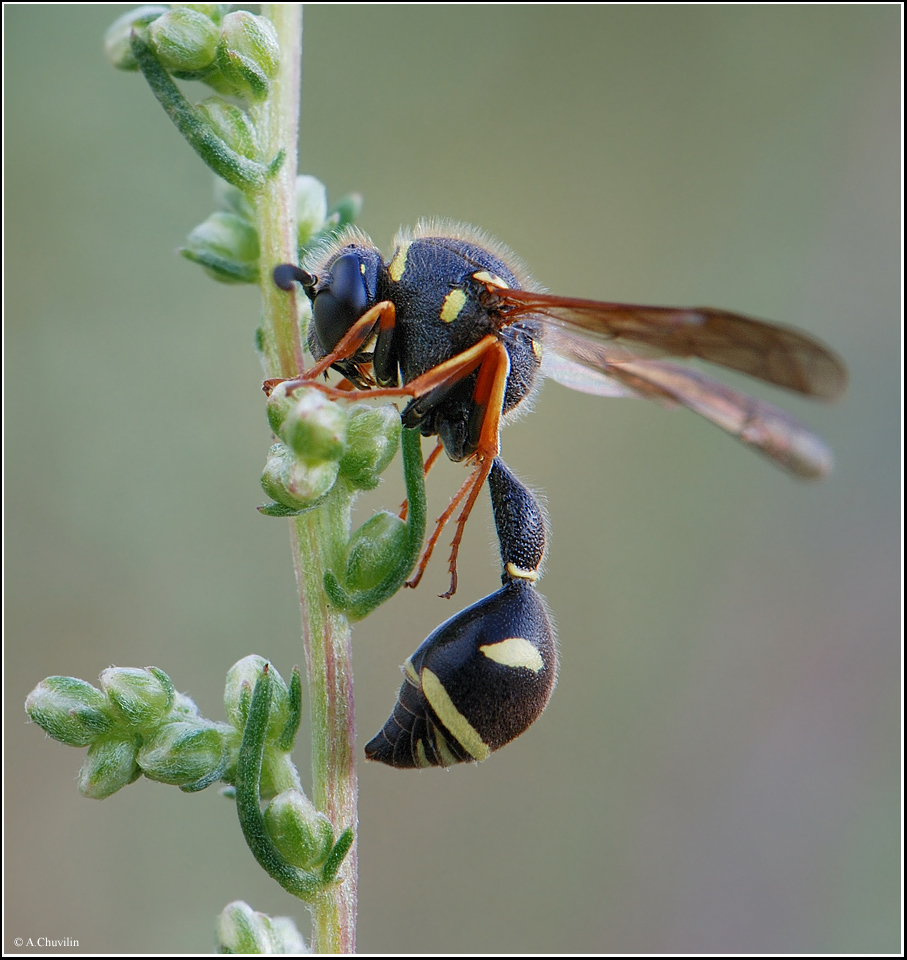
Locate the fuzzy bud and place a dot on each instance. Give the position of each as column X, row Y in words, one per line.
column 185, row 40
column 375, row 550
column 69, row 710
column 183, row 752
column 311, row 207
column 302, row 834
column 139, row 695
column 117, row 44
column 372, row 438
column 109, row 766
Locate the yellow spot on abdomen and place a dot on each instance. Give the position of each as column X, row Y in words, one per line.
column 453, row 304
column 519, row 573
column 464, row 732
column 398, row 264
column 514, row 652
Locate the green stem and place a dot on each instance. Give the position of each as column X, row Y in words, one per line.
column 326, row 633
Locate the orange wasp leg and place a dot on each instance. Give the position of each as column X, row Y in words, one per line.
column 383, row 314
column 489, row 399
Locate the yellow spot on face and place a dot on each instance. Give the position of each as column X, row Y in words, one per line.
column 421, row 759
column 398, row 264
column 514, row 652
column 483, row 276
column 463, row 731
column 521, row 574
column 453, row 304
column 362, row 269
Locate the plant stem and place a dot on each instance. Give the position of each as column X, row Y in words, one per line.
column 326, row 633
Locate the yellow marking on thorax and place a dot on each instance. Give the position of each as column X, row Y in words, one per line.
column 514, row 652
column 461, row 729
column 519, row 573
column 398, row 264
column 537, row 349
column 484, row 276
column 453, row 304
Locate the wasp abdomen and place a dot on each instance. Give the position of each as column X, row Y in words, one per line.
column 475, row 684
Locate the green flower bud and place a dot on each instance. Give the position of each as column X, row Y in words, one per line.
column 233, row 126
column 241, row 680
column 108, row 766
column 116, row 40
column 183, row 752
column 311, row 207
column 372, row 438
column 69, row 710
column 346, row 209
column 248, row 56
column 302, row 834
column 240, row 929
column 216, row 11
column 184, row 706
column 185, row 40
column 232, row 199
column 139, row 695
column 294, row 484
column 226, row 246
column 285, row 936
column 315, row 428
column 375, row 550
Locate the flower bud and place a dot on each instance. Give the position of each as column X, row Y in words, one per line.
column 294, row 484
column 248, row 56
column 232, row 124
column 240, row 685
column 108, row 766
column 117, row 44
column 346, row 209
column 232, row 199
column 240, row 929
column 139, row 695
column 226, row 246
column 216, row 11
column 69, row 710
column 375, row 550
column 315, row 428
column 311, row 207
column 302, row 834
column 372, row 438
column 185, row 40
column 183, row 752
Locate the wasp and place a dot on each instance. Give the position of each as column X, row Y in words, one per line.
column 454, row 322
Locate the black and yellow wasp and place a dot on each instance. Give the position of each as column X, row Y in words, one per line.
column 454, row 322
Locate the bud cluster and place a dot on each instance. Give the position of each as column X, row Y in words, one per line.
column 321, row 442
column 135, row 724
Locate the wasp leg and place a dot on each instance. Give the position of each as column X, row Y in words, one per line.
column 488, row 397
column 383, row 315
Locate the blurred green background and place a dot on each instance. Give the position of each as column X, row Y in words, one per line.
column 719, row 767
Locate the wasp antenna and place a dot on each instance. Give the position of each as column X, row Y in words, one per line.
column 286, row 273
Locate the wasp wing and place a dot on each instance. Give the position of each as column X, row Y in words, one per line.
column 760, row 425
column 763, row 350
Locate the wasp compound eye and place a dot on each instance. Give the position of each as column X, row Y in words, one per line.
column 340, row 302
